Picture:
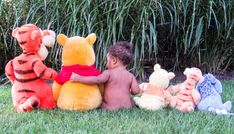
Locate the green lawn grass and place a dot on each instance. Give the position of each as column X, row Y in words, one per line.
column 133, row 120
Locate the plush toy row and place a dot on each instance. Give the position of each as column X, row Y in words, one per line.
column 197, row 91
column 29, row 91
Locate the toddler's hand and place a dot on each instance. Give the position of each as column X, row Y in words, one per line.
column 74, row 77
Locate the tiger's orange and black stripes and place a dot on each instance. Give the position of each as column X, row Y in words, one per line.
column 27, row 73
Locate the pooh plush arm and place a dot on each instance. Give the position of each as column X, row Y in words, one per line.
column 9, row 71
column 42, row 71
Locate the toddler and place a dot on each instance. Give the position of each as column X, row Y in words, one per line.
column 119, row 83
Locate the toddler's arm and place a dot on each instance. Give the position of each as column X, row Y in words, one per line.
column 102, row 78
column 135, row 89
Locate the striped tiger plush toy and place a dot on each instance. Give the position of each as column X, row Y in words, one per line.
column 27, row 71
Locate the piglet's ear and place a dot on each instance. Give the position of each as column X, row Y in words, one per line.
column 15, row 32
column 35, row 34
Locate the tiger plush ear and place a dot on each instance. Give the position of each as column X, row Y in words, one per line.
column 35, row 34
column 15, row 32
column 61, row 39
column 91, row 38
column 48, row 38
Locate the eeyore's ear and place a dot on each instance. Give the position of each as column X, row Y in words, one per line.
column 211, row 78
column 215, row 82
column 218, row 86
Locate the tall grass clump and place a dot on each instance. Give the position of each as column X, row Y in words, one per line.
column 176, row 34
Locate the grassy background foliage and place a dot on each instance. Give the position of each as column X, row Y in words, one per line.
column 123, row 121
column 174, row 33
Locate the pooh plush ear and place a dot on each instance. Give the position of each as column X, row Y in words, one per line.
column 156, row 67
column 61, row 39
column 15, row 32
column 91, row 38
column 171, row 75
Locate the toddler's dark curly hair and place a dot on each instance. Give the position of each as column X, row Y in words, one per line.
column 123, row 51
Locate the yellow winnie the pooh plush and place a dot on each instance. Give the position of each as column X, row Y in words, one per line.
column 77, row 56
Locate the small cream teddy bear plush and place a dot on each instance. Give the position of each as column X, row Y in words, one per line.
column 154, row 96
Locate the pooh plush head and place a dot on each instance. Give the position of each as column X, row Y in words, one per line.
column 77, row 50
column 160, row 77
